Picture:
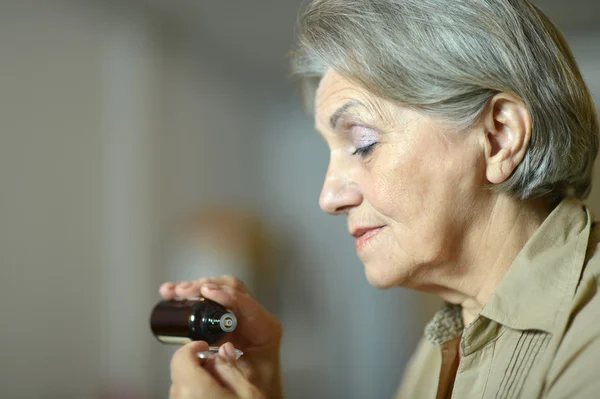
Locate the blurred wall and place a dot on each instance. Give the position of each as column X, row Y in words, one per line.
column 76, row 167
column 208, row 149
column 586, row 48
column 51, row 243
column 118, row 121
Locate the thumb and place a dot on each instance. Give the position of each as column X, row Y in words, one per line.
column 234, row 379
column 185, row 365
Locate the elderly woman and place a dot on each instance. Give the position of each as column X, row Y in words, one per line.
column 462, row 140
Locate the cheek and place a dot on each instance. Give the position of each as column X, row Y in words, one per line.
column 424, row 193
column 404, row 183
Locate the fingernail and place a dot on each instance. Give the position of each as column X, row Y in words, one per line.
column 230, row 350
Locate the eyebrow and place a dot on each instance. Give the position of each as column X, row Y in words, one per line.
column 333, row 120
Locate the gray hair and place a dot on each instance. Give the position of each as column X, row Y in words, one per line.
column 448, row 59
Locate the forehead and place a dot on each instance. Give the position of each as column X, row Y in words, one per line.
column 335, row 88
column 333, row 92
column 337, row 94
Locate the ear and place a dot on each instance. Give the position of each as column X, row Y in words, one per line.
column 507, row 124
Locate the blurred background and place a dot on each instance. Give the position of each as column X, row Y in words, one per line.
column 144, row 141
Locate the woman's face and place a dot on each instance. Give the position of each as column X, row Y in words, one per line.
column 406, row 183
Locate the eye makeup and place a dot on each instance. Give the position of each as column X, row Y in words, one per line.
column 364, row 140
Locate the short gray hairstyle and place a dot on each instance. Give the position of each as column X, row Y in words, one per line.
column 448, row 59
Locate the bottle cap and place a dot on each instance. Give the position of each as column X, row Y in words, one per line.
column 228, row 322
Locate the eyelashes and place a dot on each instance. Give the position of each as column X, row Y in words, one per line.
column 363, row 138
column 366, row 150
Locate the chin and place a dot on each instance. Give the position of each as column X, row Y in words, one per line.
column 387, row 274
column 381, row 278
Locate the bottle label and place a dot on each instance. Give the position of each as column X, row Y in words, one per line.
column 173, row 340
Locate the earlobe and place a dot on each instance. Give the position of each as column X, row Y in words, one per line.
column 507, row 124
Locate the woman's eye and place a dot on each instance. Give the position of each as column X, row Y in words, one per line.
column 366, row 150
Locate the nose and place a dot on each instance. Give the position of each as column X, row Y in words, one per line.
column 339, row 194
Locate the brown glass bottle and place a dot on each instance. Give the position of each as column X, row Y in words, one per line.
column 180, row 321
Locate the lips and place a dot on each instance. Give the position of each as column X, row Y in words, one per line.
column 364, row 234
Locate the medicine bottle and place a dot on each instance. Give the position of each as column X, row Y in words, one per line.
column 180, row 321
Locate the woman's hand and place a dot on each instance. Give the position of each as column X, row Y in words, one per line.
column 258, row 333
column 190, row 380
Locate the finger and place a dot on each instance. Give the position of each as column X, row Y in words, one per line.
column 246, row 309
column 227, row 280
column 233, row 379
column 227, row 350
column 253, row 319
column 180, row 392
column 167, row 290
column 240, row 303
column 187, row 289
column 186, row 368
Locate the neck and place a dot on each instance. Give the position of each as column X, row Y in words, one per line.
column 492, row 244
